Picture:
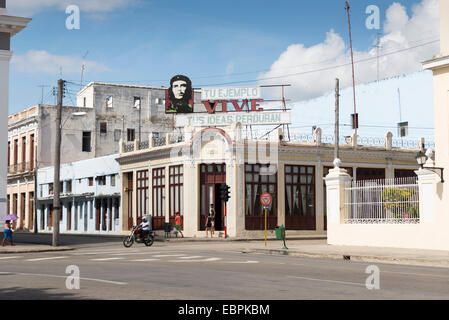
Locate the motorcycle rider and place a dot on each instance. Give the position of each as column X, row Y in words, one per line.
column 145, row 227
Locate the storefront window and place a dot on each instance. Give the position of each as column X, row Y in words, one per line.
column 158, row 198
column 142, row 193
column 255, row 185
column 176, row 190
column 300, row 197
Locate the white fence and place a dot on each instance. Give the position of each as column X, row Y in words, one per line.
column 390, row 201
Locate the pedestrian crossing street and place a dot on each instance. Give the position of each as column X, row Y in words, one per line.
column 117, row 256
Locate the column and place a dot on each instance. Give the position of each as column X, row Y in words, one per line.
column 167, row 194
column 281, row 194
column 5, row 56
column 336, row 181
column 319, row 196
column 134, row 200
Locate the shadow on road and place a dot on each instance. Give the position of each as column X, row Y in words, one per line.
column 19, row 293
column 65, row 240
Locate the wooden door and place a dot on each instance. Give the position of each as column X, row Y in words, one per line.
column 212, row 176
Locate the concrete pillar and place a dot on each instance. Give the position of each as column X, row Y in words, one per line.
column 167, row 194
column 5, row 57
column 281, row 194
column 388, row 141
column 319, row 190
column 134, row 200
column 9, row 26
column 354, row 141
column 427, row 182
column 336, row 181
column 317, row 136
column 389, row 173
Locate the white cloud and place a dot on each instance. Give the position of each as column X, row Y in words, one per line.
column 31, row 7
column 35, row 61
column 400, row 33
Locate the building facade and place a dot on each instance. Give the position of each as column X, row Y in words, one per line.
column 105, row 114
column 90, row 197
column 9, row 26
column 162, row 179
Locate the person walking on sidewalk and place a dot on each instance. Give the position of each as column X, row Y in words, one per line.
column 210, row 222
column 8, row 233
column 178, row 223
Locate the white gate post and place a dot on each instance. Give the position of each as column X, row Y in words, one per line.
column 336, row 182
column 427, row 183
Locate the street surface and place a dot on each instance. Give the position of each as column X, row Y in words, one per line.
column 205, row 271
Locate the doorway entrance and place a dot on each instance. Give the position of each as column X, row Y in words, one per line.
column 212, row 176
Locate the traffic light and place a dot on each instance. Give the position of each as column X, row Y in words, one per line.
column 225, row 194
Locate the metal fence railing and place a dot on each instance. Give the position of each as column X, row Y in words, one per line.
column 387, row 201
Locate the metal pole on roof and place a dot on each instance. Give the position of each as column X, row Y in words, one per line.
column 355, row 119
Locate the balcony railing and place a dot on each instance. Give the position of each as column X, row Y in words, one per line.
column 153, row 142
column 21, row 168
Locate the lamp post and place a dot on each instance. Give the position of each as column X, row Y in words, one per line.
column 421, row 158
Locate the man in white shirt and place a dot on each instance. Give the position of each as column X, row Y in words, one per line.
column 145, row 226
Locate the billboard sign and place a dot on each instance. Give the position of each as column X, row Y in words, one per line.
column 227, row 119
column 179, row 97
column 227, row 93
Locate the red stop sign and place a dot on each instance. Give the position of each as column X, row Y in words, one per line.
column 266, row 199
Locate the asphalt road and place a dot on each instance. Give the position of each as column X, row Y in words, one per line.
column 206, row 271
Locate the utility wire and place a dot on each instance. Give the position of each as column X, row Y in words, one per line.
column 386, row 53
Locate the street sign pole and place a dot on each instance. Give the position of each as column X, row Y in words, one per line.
column 265, row 227
column 265, row 200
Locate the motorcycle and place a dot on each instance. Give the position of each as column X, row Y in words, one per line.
column 148, row 239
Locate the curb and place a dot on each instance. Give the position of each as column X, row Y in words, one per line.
column 236, row 239
column 36, row 250
column 351, row 257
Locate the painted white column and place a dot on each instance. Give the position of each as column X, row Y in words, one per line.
column 427, row 182
column 5, row 57
column 167, row 194
column 336, row 181
column 281, row 194
column 101, row 215
column 319, row 195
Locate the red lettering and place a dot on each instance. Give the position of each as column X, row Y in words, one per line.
column 208, row 106
column 224, row 106
column 254, row 105
column 236, row 105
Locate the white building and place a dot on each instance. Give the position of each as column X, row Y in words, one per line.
column 9, row 26
column 90, row 196
column 410, row 216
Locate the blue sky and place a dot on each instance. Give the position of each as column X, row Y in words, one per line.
column 213, row 42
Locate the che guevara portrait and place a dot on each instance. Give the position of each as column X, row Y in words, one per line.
column 179, row 97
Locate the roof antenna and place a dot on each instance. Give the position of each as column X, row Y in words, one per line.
column 83, row 67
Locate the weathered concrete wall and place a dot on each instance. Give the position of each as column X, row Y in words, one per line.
column 121, row 114
column 71, row 137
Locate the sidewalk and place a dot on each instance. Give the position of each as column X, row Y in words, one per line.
column 320, row 249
